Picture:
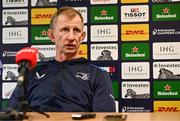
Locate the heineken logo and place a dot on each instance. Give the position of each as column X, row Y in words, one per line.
column 135, row 53
column 166, row 14
column 167, row 91
column 135, row 49
column 44, row 33
column 103, row 12
column 165, row 10
column 167, row 88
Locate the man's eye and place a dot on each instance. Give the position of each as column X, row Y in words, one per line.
column 77, row 30
column 64, row 29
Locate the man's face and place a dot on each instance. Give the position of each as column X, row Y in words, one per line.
column 68, row 34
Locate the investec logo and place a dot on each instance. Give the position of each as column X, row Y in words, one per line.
column 136, row 90
column 103, row 1
column 103, row 14
column 135, row 32
column 165, row 32
column 166, row 106
column 166, row 89
column 15, row 35
column 166, row 50
column 166, row 70
column 15, row 17
column 135, row 70
column 83, row 11
column 45, row 51
column 15, row 3
column 102, row 33
column 135, row 13
column 42, row 15
column 7, row 89
column 103, row 52
column 10, row 72
column 9, row 53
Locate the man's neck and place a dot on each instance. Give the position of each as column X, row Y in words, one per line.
column 64, row 57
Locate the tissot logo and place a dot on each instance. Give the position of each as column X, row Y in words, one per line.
column 15, row 3
column 165, row 12
column 15, row 35
column 7, row 89
column 136, row 13
column 110, row 69
column 166, row 70
column 135, row 32
column 104, row 14
column 103, row 1
column 135, row 90
column 135, row 70
column 46, row 52
column 167, row 89
column 42, row 15
column 104, row 33
column 103, row 52
column 167, row 50
column 166, row 106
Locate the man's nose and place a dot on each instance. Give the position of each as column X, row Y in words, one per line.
column 71, row 35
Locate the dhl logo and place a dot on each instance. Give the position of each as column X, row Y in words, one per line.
column 134, row 1
column 135, row 32
column 166, row 106
column 167, row 109
column 41, row 16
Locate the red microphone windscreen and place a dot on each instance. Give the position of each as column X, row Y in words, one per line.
column 27, row 54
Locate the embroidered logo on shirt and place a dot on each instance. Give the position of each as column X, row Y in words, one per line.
column 39, row 76
column 83, row 76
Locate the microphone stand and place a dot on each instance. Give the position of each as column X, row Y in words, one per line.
column 13, row 114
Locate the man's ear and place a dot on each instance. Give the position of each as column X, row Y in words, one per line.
column 83, row 36
column 50, row 35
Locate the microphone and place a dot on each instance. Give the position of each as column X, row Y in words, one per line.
column 26, row 59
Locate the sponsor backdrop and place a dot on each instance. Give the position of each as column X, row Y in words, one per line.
column 136, row 41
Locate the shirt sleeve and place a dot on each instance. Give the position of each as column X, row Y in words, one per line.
column 103, row 100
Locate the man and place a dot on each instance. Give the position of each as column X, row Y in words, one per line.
column 68, row 83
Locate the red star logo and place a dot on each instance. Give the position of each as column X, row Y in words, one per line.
column 103, row 12
column 165, row 10
column 167, row 87
column 135, row 49
column 43, row 33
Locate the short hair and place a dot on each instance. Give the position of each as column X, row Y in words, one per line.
column 67, row 11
